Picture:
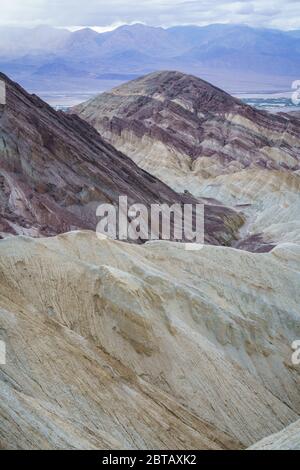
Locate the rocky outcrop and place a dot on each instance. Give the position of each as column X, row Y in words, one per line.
column 196, row 137
column 288, row 439
column 55, row 170
column 112, row 345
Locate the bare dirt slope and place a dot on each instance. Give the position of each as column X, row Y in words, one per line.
column 287, row 439
column 117, row 345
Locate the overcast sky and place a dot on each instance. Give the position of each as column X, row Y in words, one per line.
column 283, row 14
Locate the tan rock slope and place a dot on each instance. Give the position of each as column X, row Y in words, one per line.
column 288, row 439
column 111, row 345
column 196, row 137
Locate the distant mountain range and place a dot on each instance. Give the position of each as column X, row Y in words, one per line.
column 235, row 57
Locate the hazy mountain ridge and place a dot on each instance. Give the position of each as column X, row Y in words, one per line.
column 138, row 49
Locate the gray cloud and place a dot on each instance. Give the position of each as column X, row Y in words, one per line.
column 262, row 13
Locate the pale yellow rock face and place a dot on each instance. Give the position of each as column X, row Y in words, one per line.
column 111, row 345
column 288, row 439
column 271, row 201
column 271, row 198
